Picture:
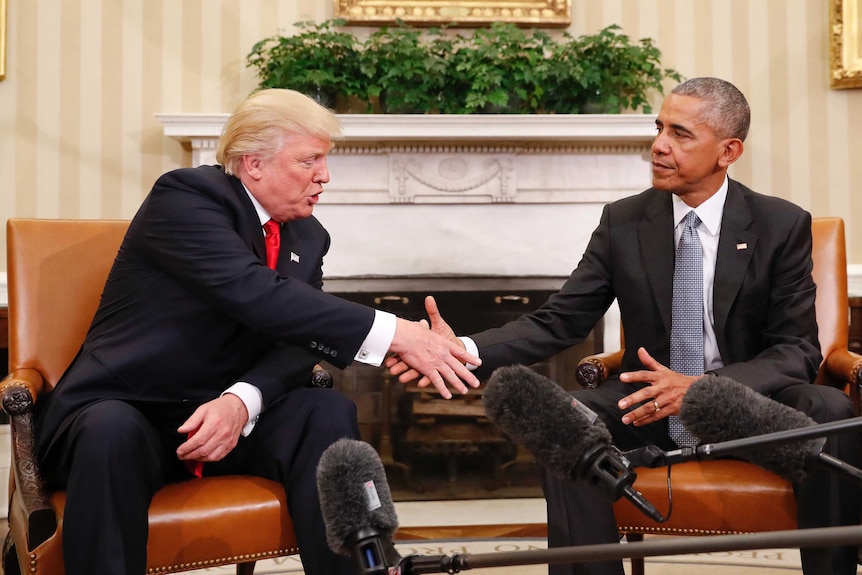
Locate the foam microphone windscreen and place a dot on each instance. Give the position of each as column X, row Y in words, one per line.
column 718, row 409
column 540, row 415
column 354, row 493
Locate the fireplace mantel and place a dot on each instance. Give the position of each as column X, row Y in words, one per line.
column 535, row 128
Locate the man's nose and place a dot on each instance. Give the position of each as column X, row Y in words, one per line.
column 323, row 174
column 660, row 145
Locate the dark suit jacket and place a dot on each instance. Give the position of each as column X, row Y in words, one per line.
column 190, row 307
column 763, row 300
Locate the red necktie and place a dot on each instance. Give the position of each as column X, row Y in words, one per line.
column 195, row 467
column 273, row 242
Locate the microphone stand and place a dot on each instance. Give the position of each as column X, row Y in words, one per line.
column 652, row 456
column 796, row 538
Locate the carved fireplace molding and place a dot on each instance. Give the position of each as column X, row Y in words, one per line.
column 438, row 159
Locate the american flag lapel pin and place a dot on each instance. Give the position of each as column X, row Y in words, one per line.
column 742, row 246
column 294, row 257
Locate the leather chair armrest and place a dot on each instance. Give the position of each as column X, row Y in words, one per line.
column 27, row 378
column 845, row 367
column 17, row 393
column 594, row 369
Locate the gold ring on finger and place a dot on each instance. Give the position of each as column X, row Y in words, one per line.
column 657, row 406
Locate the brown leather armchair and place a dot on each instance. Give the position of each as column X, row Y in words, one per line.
column 727, row 496
column 56, row 271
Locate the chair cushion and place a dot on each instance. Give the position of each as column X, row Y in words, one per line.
column 710, row 498
column 200, row 523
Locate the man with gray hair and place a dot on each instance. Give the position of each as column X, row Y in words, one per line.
column 748, row 314
column 210, row 324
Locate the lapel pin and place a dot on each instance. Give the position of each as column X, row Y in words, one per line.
column 294, row 257
column 742, row 246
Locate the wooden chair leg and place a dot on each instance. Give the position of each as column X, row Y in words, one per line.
column 637, row 562
column 245, row 568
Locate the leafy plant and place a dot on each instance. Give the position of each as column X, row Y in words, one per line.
column 319, row 61
column 405, row 72
column 499, row 69
column 604, row 73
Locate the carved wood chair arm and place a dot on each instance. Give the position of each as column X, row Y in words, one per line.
column 320, row 378
column 594, row 369
column 17, row 393
column 845, row 367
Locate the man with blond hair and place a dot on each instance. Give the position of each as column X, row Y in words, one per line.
column 211, row 321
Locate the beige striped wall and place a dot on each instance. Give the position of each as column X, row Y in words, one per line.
column 85, row 78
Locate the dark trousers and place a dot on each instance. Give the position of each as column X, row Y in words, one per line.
column 578, row 514
column 115, row 456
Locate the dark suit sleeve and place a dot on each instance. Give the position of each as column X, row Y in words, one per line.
column 193, row 230
column 564, row 320
column 780, row 323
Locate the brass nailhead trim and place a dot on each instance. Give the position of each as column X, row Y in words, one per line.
column 222, row 561
column 675, row 531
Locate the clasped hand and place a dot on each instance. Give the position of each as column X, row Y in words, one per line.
column 436, row 356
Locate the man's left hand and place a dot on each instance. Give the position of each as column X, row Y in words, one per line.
column 661, row 397
column 214, row 429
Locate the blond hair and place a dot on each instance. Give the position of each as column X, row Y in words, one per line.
column 258, row 125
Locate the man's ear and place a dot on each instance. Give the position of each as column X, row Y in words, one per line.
column 731, row 151
column 252, row 166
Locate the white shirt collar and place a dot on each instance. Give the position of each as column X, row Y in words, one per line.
column 709, row 212
column 261, row 213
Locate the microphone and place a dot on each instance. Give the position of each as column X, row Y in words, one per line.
column 562, row 433
column 357, row 506
column 719, row 409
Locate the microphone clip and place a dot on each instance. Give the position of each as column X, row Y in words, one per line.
column 607, row 468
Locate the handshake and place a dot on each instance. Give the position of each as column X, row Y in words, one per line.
column 435, row 356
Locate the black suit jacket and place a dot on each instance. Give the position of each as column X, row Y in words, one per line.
column 190, row 307
column 763, row 300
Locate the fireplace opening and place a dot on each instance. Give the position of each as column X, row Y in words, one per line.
column 447, row 449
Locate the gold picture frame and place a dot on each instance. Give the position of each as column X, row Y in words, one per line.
column 845, row 49
column 2, row 39
column 556, row 13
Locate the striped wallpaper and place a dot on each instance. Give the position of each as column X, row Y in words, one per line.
column 85, row 78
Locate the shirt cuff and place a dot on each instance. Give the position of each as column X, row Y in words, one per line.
column 472, row 348
column 373, row 350
column 253, row 400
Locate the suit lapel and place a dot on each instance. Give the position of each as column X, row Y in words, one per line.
column 736, row 246
column 655, row 236
column 249, row 225
column 288, row 241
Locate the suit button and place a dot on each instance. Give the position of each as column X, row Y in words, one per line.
column 313, row 345
column 334, row 352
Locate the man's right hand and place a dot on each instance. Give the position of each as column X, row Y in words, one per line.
column 436, row 354
column 408, row 371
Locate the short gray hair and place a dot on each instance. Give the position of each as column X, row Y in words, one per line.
column 727, row 113
column 259, row 124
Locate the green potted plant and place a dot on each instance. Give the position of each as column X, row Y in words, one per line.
column 406, row 68
column 499, row 69
column 603, row 73
column 319, row 60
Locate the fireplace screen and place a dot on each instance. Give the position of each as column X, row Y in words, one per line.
column 447, row 449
